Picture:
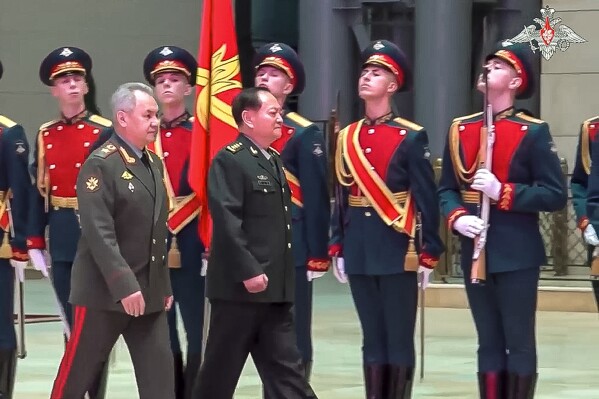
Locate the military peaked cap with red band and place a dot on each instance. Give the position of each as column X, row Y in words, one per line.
column 170, row 59
column 389, row 56
column 521, row 58
column 64, row 61
column 283, row 57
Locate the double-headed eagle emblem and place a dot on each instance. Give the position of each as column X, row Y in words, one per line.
column 553, row 35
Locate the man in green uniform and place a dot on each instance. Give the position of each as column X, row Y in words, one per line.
column 120, row 281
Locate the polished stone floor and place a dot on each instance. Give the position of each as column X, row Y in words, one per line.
column 568, row 353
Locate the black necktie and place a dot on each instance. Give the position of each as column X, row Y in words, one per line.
column 146, row 161
column 274, row 166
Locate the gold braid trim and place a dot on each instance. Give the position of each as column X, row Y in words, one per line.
column 344, row 177
column 454, row 151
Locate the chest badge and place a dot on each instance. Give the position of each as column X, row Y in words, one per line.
column 317, row 150
column 131, row 187
column 126, row 175
column 262, row 177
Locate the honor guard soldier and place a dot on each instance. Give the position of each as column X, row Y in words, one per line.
column 172, row 71
column 579, row 185
column 61, row 148
column 14, row 191
column 382, row 162
column 303, row 152
column 524, row 178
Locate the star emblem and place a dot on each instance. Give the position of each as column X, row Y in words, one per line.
column 275, row 47
column 378, row 45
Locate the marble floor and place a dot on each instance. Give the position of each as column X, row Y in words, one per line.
column 568, row 353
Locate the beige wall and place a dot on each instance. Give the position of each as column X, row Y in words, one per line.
column 570, row 79
column 116, row 33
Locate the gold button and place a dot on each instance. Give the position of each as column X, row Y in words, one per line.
column 367, row 214
column 285, row 207
column 153, row 241
column 153, row 258
column 289, row 245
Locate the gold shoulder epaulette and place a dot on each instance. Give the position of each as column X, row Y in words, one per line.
column 409, row 124
column 7, row 122
column 48, row 124
column 236, row 146
column 462, row 118
column 529, row 118
column 107, row 149
column 100, row 120
column 300, row 120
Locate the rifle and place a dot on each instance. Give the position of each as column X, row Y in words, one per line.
column 478, row 273
column 332, row 135
column 20, row 306
column 422, row 299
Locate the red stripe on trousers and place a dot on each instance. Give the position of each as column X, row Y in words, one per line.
column 67, row 359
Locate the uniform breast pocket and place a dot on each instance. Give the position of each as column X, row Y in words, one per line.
column 264, row 196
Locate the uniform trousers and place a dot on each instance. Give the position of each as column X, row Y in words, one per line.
column 264, row 330
column 386, row 306
column 504, row 312
column 94, row 334
column 61, row 279
column 302, row 309
column 8, row 340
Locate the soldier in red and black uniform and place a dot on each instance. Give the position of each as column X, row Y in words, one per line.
column 382, row 161
column 14, row 190
column 61, row 148
column 172, row 71
column 525, row 178
column 302, row 149
column 579, row 185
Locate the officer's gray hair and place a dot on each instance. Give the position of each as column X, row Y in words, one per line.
column 123, row 99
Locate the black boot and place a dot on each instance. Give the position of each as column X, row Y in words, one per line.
column 179, row 376
column 8, row 367
column 521, row 386
column 400, row 382
column 98, row 388
column 492, row 385
column 375, row 380
column 192, row 368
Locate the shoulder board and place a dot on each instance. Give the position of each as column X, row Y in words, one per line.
column 191, row 118
column 49, row 124
column 235, row 147
column 529, row 118
column 463, row 118
column 100, row 120
column 300, row 120
column 7, row 122
column 107, row 149
column 409, row 124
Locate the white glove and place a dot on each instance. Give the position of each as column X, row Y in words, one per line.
column 486, row 182
column 424, row 276
column 469, row 225
column 38, row 259
column 339, row 269
column 19, row 266
column 312, row 275
column 590, row 235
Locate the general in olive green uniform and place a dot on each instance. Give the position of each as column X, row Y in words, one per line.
column 123, row 212
column 250, row 203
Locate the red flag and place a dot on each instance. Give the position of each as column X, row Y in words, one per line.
column 218, row 82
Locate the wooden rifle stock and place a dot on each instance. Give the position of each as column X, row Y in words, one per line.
column 478, row 272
